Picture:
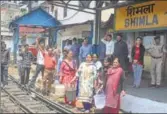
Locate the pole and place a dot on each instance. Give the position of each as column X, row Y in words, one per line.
column 0, row 64
column 97, row 24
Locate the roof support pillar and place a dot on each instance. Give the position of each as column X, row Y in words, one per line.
column 50, row 37
column 97, row 24
column 15, row 44
column 55, row 36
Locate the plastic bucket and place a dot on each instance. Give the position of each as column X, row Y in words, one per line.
column 99, row 100
column 71, row 94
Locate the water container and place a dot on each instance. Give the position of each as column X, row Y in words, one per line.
column 59, row 90
column 100, row 100
column 71, row 94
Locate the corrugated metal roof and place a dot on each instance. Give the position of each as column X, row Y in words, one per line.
column 37, row 17
column 69, row 25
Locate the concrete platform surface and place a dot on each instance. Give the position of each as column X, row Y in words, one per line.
column 144, row 99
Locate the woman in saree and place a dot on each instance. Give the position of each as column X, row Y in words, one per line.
column 86, row 75
column 67, row 72
column 114, row 88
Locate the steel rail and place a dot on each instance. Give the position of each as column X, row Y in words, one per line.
column 54, row 105
column 26, row 109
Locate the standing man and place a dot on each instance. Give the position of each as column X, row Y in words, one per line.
column 156, row 52
column 75, row 50
column 109, row 46
column 85, row 50
column 50, row 65
column 68, row 45
column 5, row 58
column 39, row 66
column 102, row 49
column 26, row 64
column 121, row 51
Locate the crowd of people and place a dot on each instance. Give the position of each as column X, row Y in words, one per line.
column 89, row 73
column 78, row 68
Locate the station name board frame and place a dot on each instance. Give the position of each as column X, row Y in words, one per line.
column 146, row 15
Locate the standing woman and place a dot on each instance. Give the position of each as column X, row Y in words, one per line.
column 114, row 87
column 138, row 58
column 86, row 75
column 67, row 72
column 102, row 77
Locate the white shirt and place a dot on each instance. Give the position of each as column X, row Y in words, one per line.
column 68, row 47
column 98, row 65
column 109, row 47
column 40, row 58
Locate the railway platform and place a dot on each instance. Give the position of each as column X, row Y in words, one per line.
column 144, row 99
column 140, row 100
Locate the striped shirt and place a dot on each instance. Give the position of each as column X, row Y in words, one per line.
column 5, row 56
column 27, row 58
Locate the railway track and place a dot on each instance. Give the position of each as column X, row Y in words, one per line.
column 18, row 99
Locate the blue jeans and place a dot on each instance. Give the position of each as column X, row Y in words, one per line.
column 137, row 73
column 39, row 68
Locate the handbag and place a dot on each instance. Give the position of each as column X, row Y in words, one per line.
column 100, row 100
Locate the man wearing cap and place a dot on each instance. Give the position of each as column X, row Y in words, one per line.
column 156, row 52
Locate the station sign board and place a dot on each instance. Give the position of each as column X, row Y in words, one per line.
column 152, row 14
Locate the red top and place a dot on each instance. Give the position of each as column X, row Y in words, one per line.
column 137, row 55
column 67, row 72
column 49, row 61
column 33, row 50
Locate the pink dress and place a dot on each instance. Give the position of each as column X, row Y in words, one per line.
column 113, row 79
column 67, row 71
